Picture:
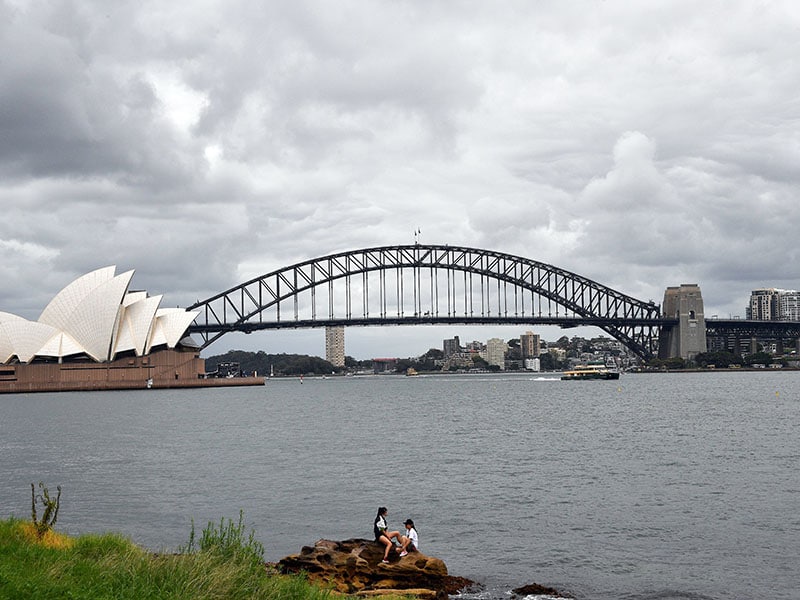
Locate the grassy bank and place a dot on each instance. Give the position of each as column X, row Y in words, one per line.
column 110, row 566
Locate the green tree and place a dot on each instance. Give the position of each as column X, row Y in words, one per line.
column 758, row 358
column 721, row 359
column 479, row 362
column 280, row 364
column 549, row 362
column 670, row 363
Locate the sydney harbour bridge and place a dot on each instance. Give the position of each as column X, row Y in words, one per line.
column 423, row 284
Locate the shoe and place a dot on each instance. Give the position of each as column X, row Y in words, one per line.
column 403, row 553
column 384, row 561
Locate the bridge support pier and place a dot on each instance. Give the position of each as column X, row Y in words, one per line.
column 687, row 339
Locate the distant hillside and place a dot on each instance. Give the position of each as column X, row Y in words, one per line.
column 282, row 364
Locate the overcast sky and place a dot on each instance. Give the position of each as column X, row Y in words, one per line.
column 203, row 143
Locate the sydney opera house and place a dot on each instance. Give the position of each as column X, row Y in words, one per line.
column 97, row 334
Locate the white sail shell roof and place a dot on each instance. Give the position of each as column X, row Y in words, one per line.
column 61, row 344
column 7, row 337
column 93, row 320
column 58, row 312
column 6, row 341
column 170, row 326
column 136, row 322
column 96, row 316
column 25, row 337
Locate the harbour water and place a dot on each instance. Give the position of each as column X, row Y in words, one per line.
column 659, row 486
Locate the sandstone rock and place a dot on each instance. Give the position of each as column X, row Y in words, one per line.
column 534, row 589
column 422, row 594
column 354, row 567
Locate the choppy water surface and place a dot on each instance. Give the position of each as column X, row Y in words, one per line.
column 654, row 486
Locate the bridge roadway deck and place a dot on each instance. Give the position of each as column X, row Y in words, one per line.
column 564, row 322
column 753, row 328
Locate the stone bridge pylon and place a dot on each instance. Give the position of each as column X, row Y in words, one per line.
column 687, row 338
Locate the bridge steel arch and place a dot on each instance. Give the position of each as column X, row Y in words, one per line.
column 427, row 284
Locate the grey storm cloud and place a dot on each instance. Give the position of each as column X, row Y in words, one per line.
column 640, row 145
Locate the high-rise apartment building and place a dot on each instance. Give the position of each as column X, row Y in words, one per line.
column 496, row 352
column 763, row 305
column 771, row 304
column 789, row 306
column 530, row 345
column 334, row 346
column 450, row 347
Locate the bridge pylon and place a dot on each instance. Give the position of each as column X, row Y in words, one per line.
column 687, row 338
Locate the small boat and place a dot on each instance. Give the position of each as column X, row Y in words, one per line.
column 411, row 372
column 590, row 371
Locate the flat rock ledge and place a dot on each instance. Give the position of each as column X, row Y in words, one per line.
column 354, row 567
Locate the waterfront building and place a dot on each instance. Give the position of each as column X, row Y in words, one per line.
column 496, row 352
column 459, row 360
column 475, row 346
column 763, row 305
column 384, row 365
column 97, row 334
column 94, row 318
column 789, row 305
column 451, row 346
column 773, row 304
column 530, row 345
column 334, row 345
column 533, row 364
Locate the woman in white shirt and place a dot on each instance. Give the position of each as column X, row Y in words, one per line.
column 410, row 541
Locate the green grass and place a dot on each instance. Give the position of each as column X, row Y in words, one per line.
column 226, row 566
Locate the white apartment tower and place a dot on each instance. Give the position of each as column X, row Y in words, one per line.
column 772, row 304
column 789, row 306
column 496, row 352
column 763, row 305
column 334, row 346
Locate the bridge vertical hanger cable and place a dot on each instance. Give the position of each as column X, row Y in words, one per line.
column 331, row 312
column 313, row 293
column 296, row 298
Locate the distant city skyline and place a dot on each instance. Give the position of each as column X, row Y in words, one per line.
column 364, row 343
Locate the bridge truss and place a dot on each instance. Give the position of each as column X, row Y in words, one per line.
column 427, row 284
column 734, row 334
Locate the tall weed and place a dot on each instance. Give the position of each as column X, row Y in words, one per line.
column 228, row 540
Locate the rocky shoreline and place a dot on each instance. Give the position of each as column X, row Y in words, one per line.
column 354, row 567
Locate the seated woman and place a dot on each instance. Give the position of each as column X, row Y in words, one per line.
column 410, row 541
column 382, row 534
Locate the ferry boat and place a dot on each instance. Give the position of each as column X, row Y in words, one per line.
column 591, row 371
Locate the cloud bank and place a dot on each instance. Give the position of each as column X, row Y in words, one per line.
column 641, row 146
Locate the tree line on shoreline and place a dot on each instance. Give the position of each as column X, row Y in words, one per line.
column 283, row 364
column 722, row 359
